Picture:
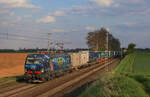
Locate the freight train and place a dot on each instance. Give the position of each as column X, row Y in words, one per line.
column 43, row 67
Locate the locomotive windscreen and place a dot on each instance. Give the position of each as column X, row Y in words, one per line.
column 34, row 59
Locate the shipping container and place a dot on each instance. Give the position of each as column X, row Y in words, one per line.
column 93, row 56
column 103, row 54
column 75, row 59
column 111, row 53
column 60, row 61
column 84, row 57
column 79, row 59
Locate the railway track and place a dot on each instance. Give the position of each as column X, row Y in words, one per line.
column 54, row 91
column 52, row 87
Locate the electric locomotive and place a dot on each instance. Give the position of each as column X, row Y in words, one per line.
column 42, row 67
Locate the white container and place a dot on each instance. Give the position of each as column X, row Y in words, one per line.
column 84, row 57
column 79, row 59
column 75, row 57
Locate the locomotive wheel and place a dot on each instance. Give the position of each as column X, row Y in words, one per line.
column 29, row 81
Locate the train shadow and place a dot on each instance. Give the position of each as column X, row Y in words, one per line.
column 78, row 91
column 20, row 79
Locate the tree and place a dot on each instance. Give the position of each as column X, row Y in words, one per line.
column 97, row 40
column 131, row 48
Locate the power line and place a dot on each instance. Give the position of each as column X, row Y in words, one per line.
column 15, row 35
column 19, row 39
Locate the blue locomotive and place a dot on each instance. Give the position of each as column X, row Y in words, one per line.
column 44, row 67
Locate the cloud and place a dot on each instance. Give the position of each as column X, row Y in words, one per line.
column 17, row 4
column 103, row 3
column 27, row 16
column 11, row 21
column 89, row 28
column 79, row 10
column 110, row 8
column 108, row 29
column 59, row 13
column 130, row 23
column 47, row 19
column 108, row 3
column 11, row 13
column 133, row 31
column 135, row 1
column 4, row 11
column 57, row 30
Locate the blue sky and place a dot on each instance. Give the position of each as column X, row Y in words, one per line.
column 27, row 22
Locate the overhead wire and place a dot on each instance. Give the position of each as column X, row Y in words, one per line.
column 8, row 35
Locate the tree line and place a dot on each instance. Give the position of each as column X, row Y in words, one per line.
column 35, row 50
column 97, row 41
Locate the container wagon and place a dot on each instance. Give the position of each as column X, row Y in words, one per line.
column 79, row 59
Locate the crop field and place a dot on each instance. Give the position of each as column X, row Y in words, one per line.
column 142, row 63
column 12, row 64
column 130, row 79
column 137, row 63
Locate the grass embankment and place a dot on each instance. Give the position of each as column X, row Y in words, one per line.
column 130, row 79
column 126, row 65
column 112, row 85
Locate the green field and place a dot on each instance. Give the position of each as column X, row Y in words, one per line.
column 142, row 63
column 137, row 63
column 130, row 79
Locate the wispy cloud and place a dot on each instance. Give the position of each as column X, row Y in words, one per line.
column 57, row 30
column 11, row 21
column 17, row 4
column 59, row 13
column 4, row 11
column 103, row 3
column 11, row 13
column 28, row 16
column 113, row 8
column 47, row 19
column 89, row 28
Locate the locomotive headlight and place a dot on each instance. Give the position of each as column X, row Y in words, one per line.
column 42, row 70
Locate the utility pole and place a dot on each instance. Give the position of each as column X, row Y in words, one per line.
column 107, row 50
column 121, row 49
column 107, row 43
column 48, row 45
column 97, row 48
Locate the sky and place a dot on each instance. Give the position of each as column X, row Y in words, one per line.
column 26, row 23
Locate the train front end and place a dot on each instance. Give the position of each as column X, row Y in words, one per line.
column 35, row 67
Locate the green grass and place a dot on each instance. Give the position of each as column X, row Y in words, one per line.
column 142, row 63
column 126, row 65
column 138, row 63
column 115, row 86
column 144, row 80
column 130, row 79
